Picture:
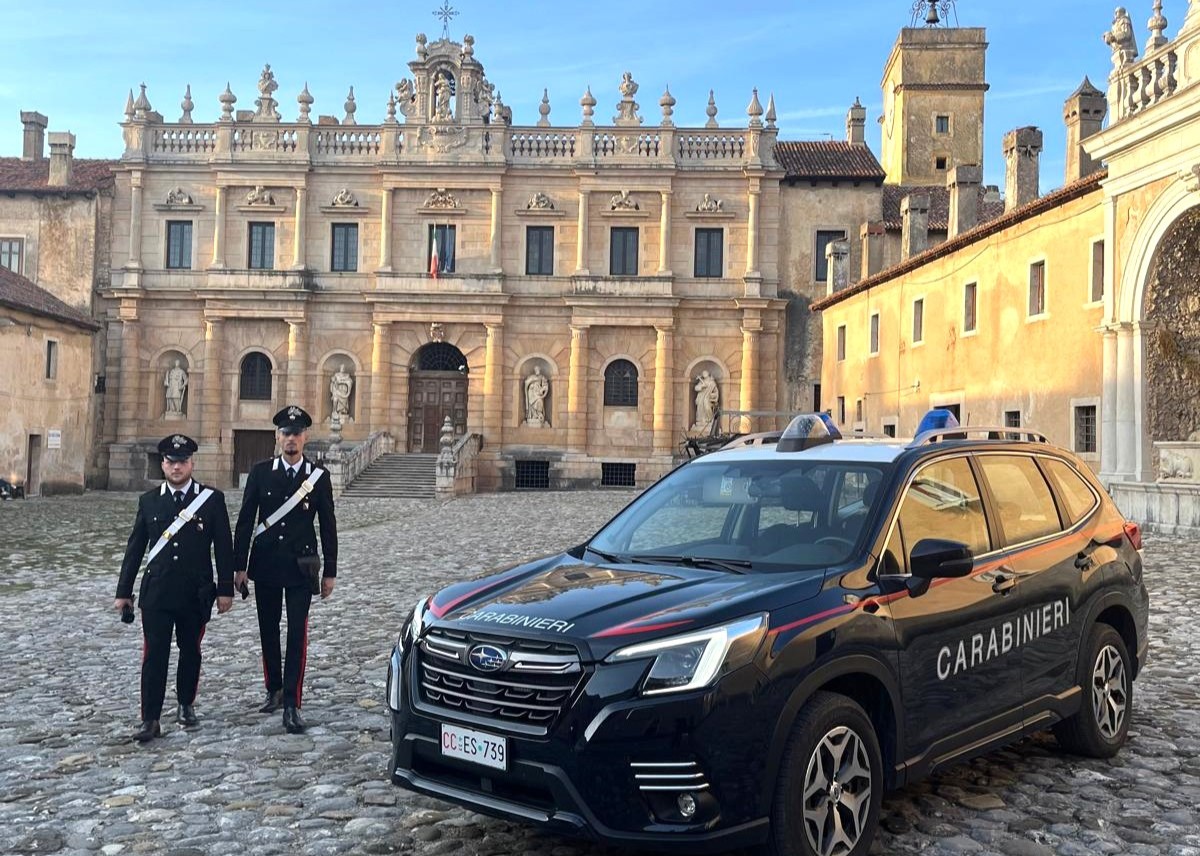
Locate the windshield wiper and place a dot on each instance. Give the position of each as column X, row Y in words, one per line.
column 735, row 566
column 608, row 557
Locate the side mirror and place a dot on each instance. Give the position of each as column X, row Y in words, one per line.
column 932, row 558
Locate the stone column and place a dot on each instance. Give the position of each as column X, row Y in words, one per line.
column 752, row 233
column 297, row 368
column 381, row 376
column 1124, row 422
column 497, row 266
column 298, row 238
column 131, row 380
column 493, row 385
column 1139, row 437
column 135, row 221
column 581, row 240
column 210, row 410
column 664, row 435
column 664, row 234
column 577, row 411
column 385, row 230
column 1108, row 408
column 218, row 256
column 749, row 390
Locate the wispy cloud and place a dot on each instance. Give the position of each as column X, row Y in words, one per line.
column 1063, row 89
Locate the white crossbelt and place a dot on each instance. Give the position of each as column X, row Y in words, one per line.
column 181, row 518
column 306, row 487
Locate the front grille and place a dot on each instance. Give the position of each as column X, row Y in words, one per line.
column 668, row 776
column 527, row 693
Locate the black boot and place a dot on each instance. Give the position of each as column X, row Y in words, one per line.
column 148, row 731
column 293, row 722
column 274, row 700
column 187, row 716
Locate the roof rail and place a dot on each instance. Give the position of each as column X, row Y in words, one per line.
column 993, row 432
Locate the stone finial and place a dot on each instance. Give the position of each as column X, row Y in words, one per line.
column 544, row 110
column 588, row 103
column 391, row 110
column 711, row 111
column 129, row 108
column 1157, row 24
column 502, row 112
column 305, row 100
column 771, row 115
column 350, row 108
column 187, row 105
column 265, row 103
column 754, row 110
column 667, row 103
column 468, row 48
column 227, row 99
column 627, row 108
column 142, row 106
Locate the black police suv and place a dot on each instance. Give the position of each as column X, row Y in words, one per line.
column 765, row 641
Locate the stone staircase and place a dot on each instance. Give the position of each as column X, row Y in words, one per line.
column 396, row 476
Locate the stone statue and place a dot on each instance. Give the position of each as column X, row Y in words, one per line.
column 628, row 87
column 266, row 102
column 710, row 205
column 540, row 202
column 707, row 396
column 176, row 383
column 178, row 196
column 623, row 202
column 345, row 199
column 537, row 387
column 260, row 196
column 1121, row 39
column 340, row 387
column 441, row 98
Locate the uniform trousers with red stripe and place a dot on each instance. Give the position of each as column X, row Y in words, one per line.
column 269, row 601
column 157, row 628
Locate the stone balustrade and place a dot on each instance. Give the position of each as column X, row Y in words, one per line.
column 1143, row 84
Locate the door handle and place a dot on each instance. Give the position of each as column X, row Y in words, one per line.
column 1004, row 583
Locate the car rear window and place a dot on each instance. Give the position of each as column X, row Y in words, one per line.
column 1023, row 500
column 1078, row 498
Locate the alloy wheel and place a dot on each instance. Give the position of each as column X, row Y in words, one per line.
column 1110, row 692
column 837, row 793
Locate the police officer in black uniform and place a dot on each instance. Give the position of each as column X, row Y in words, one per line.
column 177, row 589
column 284, row 555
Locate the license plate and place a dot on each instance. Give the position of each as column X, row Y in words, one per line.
column 475, row 747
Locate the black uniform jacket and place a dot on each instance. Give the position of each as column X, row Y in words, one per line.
column 272, row 561
column 181, row 575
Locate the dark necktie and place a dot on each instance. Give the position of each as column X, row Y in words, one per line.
column 179, row 499
column 291, row 475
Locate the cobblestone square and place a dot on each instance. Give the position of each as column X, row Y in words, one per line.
column 72, row 782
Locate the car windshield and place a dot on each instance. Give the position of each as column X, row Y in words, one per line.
column 748, row 516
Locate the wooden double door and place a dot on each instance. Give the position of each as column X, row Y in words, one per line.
column 432, row 396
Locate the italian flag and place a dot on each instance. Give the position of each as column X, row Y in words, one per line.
column 434, row 262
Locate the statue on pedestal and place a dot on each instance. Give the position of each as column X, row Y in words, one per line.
column 175, row 383
column 707, row 396
column 537, row 387
column 340, row 387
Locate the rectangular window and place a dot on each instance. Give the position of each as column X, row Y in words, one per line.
column 825, row 237
column 1037, row 288
column 1085, row 428
column 532, row 475
column 441, row 247
column 1097, row 293
column 918, row 321
column 709, row 250
column 1012, row 418
column 179, row 244
column 816, row 398
column 889, row 429
column 969, row 307
column 262, row 246
column 841, row 342
column 858, row 410
column 345, row 247
column 940, row 162
column 841, row 410
column 51, row 360
column 10, row 253
column 875, row 333
column 942, row 124
column 618, row 474
column 539, row 251
column 623, row 253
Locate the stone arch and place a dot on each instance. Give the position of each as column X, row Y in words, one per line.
column 162, row 362
column 525, row 368
column 437, row 389
column 1129, row 301
column 619, row 384
column 328, row 367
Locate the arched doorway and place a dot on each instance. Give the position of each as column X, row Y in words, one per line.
column 437, row 388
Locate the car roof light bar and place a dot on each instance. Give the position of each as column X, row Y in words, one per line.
column 808, row 430
column 989, row 432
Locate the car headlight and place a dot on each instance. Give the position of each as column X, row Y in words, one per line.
column 415, row 624
column 695, row 660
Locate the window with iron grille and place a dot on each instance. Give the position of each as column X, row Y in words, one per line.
column 255, row 378
column 345, row 247
column 539, row 251
column 262, row 246
column 969, row 310
column 825, row 237
column 1097, row 293
column 179, row 244
column 623, row 252
column 919, row 320
column 620, row 384
column 442, row 236
column 1037, row 288
column 1085, row 428
column 875, row 333
column 889, row 429
column 533, row 475
column 1012, row 418
column 841, row 342
column 10, row 253
column 710, row 245
column 618, row 475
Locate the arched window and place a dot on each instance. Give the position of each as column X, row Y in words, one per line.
column 255, row 378
column 441, row 357
column 620, row 384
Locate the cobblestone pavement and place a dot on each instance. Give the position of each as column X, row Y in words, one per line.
column 71, row 781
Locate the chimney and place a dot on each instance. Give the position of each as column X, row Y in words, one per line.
column 35, row 135
column 837, row 268
column 963, row 182
column 1021, row 149
column 872, row 235
column 856, row 124
column 914, row 213
column 1083, row 114
column 62, row 149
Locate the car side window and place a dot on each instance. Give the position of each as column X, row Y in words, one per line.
column 1078, row 498
column 943, row 501
column 1024, row 503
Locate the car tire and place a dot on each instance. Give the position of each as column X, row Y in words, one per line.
column 819, row 810
column 1100, row 727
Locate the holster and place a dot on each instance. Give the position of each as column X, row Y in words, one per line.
column 310, row 566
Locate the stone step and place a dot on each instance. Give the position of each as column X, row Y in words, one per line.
column 396, row 476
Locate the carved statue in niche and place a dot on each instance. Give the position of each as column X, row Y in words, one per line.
column 709, row 205
column 345, row 199
column 537, row 387
column 540, row 202
column 623, row 202
column 707, row 398
column 178, row 197
column 1121, row 39
column 441, row 98
column 260, row 196
column 175, row 383
column 340, row 387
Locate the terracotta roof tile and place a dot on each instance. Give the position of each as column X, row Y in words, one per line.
column 939, row 206
column 86, row 175
column 17, row 292
column 828, row 159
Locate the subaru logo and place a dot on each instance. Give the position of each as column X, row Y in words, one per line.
column 487, row 658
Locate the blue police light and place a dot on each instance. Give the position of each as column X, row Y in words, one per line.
column 936, row 420
column 808, row 430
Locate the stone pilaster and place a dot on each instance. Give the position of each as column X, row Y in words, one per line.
column 298, row 262
column 664, row 235
column 135, row 221
column 664, row 434
column 749, row 389
column 493, row 385
column 130, row 390
column 385, row 231
column 210, row 410
column 496, row 262
column 1108, row 407
column 297, row 368
column 218, row 255
column 381, row 375
column 581, row 241
column 1124, row 418
column 577, row 410
column 752, row 231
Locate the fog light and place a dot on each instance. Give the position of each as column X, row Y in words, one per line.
column 686, row 804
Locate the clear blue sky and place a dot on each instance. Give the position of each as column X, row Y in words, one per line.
column 75, row 60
